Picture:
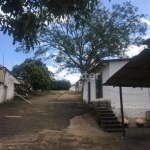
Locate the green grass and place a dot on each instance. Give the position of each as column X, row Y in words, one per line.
column 43, row 93
column 74, row 93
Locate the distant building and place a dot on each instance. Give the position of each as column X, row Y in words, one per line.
column 72, row 88
column 78, row 86
column 7, row 84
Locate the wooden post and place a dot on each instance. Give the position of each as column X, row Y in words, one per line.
column 122, row 114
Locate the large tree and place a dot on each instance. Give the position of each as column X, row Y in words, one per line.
column 23, row 18
column 106, row 33
column 35, row 73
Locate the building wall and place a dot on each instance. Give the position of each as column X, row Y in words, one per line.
column 9, row 82
column 85, row 90
column 72, row 88
column 106, row 95
column 2, row 72
column 132, row 97
column 135, row 100
column 3, row 90
column 78, row 86
column 7, row 88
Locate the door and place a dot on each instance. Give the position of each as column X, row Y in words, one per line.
column 89, row 92
column 99, row 87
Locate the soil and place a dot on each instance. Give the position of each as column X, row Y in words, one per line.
column 61, row 122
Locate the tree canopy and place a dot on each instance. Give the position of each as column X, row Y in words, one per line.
column 106, row 33
column 35, row 73
column 60, row 85
column 23, row 18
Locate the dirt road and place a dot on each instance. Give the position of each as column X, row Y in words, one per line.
column 54, row 122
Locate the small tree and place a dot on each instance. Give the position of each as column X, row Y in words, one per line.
column 35, row 73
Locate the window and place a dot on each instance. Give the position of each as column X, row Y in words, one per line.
column 99, row 87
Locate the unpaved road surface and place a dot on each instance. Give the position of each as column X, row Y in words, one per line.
column 57, row 122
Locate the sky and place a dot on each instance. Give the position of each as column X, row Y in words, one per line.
column 9, row 58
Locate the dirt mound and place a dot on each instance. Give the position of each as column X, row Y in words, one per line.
column 85, row 125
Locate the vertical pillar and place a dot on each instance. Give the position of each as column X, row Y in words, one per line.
column 122, row 114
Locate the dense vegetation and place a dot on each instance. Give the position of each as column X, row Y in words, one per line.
column 23, row 18
column 35, row 73
column 60, row 85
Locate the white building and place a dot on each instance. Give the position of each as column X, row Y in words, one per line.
column 136, row 101
column 78, row 86
column 72, row 88
column 7, row 84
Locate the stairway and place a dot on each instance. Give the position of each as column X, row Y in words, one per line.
column 107, row 119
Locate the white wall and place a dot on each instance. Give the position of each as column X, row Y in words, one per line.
column 106, row 94
column 3, row 90
column 72, row 88
column 79, row 85
column 132, row 97
column 7, row 88
column 85, row 90
column 114, row 66
column 9, row 82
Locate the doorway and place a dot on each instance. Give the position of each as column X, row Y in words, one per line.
column 89, row 92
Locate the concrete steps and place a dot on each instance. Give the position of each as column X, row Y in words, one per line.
column 107, row 119
column 110, row 122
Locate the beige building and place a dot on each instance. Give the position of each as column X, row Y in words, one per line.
column 7, row 84
column 79, row 86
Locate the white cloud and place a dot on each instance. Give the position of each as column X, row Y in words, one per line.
column 72, row 77
column 63, row 75
column 1, row 12
column 52, row 69
column 55, row 53
column 47, row 54
column 135, row 50
column 146, row 21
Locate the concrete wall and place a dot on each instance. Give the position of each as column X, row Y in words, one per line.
column 85, row 90
column 2, row 72
column 72, row 88
column 3, row 91
column 132, row 97
column 7, row 88
column 106, row 94
column 9, row 82
column 136, row 101
column 78, row 86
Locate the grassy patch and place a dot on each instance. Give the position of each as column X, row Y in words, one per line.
column 43, row 93
column 74, row 93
